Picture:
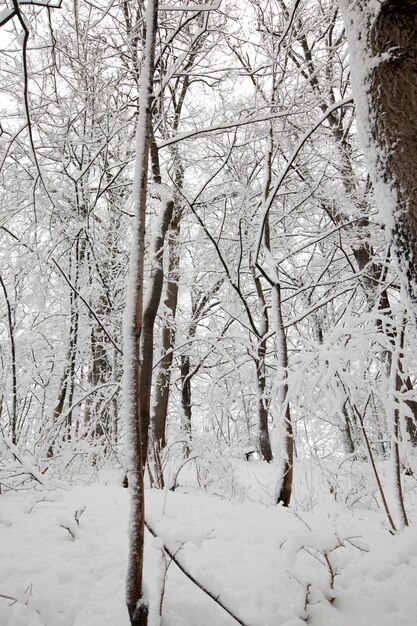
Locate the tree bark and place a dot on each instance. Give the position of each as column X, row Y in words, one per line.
column 285, row 491
column 393, row 102
column 13, row 416
column 135, row 358
column 150, row 311
column 383, row 49
column 163, row 378
column 186, row 402
column 264, row 440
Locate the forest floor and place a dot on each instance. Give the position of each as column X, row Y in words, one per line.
column 329, row 560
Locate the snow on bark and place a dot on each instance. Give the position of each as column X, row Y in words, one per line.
column 383, row 58
column 284, row 449
column 358, row 18
column 136, row 603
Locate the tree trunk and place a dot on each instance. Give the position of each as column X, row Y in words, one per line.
column 287, row 445
column 163, row 378
column 13, row 416
column 383, row 49
column 134, row 357
column 385, row 41
column 372, row 269
column 186, row 402
column 264, row 440
column 153, row 299
column 263, row 413
column 393, row 102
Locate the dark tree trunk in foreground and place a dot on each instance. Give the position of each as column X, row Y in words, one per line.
column 393, row 95
column 383, row 52
column 386, row 98
column 383, row 49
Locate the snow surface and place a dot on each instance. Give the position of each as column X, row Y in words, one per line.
column 322, row 560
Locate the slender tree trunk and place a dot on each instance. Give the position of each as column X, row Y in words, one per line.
column 263, row 413
column 395, row 385
column 75, row 318
column 153, row 298
column 13, row 416
column 287, row 455
column 186, row 397
column 163, row 378
column 264, row 440
column 348, row 441
column 186, row 402
column 66, row 389
column 134, row 342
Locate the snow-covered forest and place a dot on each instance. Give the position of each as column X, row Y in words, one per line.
column 208, row 312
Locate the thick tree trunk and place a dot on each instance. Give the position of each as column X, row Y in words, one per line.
column 373, row 270
column 393, row 102
column 383, row 50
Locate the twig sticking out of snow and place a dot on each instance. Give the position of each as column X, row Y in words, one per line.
column 78, row 514
column 6, row 597
column 71, row 529
column 216, row 599
column 70, row 526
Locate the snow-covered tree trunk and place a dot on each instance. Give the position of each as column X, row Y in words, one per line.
column 264, row 441
column 284, row 455
column 382, row 40
column 133, row 356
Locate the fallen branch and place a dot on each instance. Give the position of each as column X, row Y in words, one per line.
column 174, row 558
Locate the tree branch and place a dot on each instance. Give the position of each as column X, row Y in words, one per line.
column 216, row 599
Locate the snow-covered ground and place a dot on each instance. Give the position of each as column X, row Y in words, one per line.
column 323, row 561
